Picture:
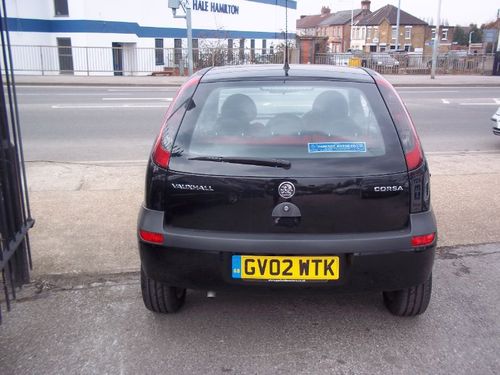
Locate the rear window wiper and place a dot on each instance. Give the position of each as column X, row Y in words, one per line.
column 278, row 163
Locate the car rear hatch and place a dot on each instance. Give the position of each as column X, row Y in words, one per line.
column 286, row 157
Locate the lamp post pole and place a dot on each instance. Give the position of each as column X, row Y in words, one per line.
column 436, row 42
column 397, row 26
column 186, row 6
column 470, row 39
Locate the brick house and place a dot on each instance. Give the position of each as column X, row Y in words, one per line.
column 337, row 27
column 377, row 32
column 445, row 40
column 308, row 25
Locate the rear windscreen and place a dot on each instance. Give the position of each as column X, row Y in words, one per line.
column 322, row 124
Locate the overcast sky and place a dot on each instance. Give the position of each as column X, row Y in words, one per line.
column 455, row 11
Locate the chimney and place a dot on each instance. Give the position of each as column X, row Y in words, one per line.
column 365, row 5
column 302, row 16
column 325, row 11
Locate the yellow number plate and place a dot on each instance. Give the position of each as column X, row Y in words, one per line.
column 291, row 268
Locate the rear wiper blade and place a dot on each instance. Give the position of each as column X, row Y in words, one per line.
column 278, row 163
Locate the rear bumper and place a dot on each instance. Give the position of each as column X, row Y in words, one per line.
column 202, row 260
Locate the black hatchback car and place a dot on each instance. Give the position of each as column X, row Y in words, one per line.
column 264, row 176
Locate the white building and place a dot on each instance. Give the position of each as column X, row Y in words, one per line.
column 139, row 37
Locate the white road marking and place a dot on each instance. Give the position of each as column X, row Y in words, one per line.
column 163, row 99
column 70, row 94
column 93, row 106
column 142, row 89
column 479, row 87
column 109, row 88
column 497, row 100
column 91, row 162
column 425, row 91
column 454, row 152
column 478, row 103
column 445, row 101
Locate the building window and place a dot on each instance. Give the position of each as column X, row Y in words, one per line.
column 433, row 37
column 65, row 53
column 242, row 49
column 394, row 33
column 407, row 32
column 408, row 47
column 363, row 33
column 383, row 47
column 271, row 50
column 230, row 50
column 196, row 52
column 159, row 57
column 61, row 8
column 369, row 32
column 375, row 31
column 264, row 46
column 177, row 51
column 445, row 34
column 252, row 49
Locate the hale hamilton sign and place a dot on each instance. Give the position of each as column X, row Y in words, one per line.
column 210, row 6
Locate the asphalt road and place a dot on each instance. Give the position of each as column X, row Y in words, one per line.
column 116, row 124
column 102, row 328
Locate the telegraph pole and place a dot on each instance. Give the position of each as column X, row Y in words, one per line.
column 186, row 7
column 436, row 42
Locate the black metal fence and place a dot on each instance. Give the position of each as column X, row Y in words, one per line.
column 15, row 216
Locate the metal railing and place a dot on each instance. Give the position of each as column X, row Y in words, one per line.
column 131, row 60
column 15, row 216
column 412, row 63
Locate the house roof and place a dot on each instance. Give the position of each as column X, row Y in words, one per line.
column 390, row 13
column 340, row 18
column 311, row 21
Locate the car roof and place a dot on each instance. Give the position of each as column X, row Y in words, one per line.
column 271, row 71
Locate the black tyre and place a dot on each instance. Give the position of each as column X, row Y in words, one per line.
column 161, row 298
column 410, row 301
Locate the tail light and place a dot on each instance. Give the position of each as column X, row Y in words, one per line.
column 404, row 124
column 163, row 145
column 425, row 240
column 418, row 170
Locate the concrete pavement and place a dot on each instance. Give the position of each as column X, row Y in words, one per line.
column 101, row 327
column 397, row 80
column 86, row 213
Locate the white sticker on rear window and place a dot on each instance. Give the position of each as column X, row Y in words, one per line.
column 336, row 147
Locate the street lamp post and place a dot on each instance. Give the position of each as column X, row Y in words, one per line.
column 397, row 25
column 436, row 42
column 186, row 7
column 470, row 39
